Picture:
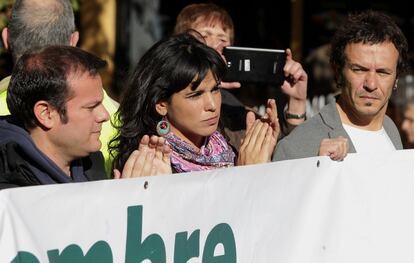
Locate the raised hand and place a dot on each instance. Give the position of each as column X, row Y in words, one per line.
column 336, row 148
column 261, row 137
column 272, row 119
column 296, row 82
column 295, row 86
column 151, row 158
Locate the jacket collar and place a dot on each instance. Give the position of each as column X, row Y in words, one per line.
column 330, row 116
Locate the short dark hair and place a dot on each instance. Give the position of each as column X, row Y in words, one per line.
column 34, row 24
column 43, row 75
column 166, row 68
column 370, row 27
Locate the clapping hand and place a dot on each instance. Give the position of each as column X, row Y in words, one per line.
column 261, row 136
column 151, row 158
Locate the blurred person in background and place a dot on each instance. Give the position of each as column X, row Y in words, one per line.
column 407, row 124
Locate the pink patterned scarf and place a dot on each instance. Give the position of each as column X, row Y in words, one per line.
column 215, row 153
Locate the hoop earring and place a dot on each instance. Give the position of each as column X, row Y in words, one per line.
column 163, row 127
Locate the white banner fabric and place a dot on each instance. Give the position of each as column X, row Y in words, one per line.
column 308, row 210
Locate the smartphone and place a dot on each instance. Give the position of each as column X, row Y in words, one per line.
column 254, row 65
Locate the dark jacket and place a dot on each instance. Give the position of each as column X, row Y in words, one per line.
column 23, row 164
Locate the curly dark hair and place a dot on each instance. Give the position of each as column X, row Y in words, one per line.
column 166, row 68
column 368, row 27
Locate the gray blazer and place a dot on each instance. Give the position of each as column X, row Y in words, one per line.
column 305, row 139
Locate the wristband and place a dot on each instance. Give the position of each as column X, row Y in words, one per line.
column 295, row 116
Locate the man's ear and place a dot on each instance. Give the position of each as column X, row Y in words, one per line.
column 74, row 38
column 162, row 108
column 5, row 37
column 45, row 114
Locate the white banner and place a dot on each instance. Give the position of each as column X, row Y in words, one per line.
column 309, row 210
